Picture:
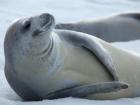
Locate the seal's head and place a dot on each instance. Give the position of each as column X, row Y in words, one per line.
column 30, row 35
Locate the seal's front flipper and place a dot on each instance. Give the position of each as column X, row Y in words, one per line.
column 85, row 90
column 102, row 54
column 93, row 45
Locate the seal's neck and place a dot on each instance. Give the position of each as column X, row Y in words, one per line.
column 53, row 56
column 48, row 62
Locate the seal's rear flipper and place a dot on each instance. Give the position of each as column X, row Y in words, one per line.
column 85, row 90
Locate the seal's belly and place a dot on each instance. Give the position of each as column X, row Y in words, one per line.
column 79, row 67
column 128, row 70
column 82, row 66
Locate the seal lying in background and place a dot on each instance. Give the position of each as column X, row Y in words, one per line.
column 122, row 27
column 42, row 63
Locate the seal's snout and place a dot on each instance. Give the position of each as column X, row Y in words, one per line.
column 47, row 18
column 46, row 22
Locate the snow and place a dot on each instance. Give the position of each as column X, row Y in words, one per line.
column 64, row 11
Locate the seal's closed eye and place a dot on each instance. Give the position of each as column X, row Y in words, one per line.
column 26, row 24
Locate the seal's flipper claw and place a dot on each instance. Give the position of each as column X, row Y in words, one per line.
column 85, row 90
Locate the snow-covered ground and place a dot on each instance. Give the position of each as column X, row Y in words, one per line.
column 64, row 11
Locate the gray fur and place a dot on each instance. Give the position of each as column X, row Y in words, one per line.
column 32, row 58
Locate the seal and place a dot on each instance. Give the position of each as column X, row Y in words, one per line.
column 120, row 27
column 44, row 63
